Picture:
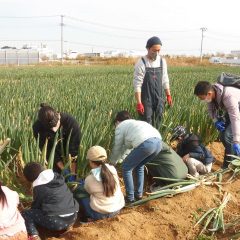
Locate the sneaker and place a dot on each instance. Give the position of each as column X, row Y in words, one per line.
column 128, row 202
column 34, row 237
column 138, row 198
column 87, row 220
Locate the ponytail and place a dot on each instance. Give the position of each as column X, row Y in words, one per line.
column 3, row 199
column 108, row 181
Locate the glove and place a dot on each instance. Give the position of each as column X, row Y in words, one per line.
column 66, row 172
column 169, row 100
column 236, row 148
column 220, row 126
column 140, row 108
column 70, row 177
column 81, row 181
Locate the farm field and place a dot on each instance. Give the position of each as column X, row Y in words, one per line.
column 93, row 95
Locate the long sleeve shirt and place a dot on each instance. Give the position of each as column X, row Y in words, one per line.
column 139, row 72
column 68, row 125
column 130, row 134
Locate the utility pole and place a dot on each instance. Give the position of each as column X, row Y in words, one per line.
column 203, row 29
column 62, row 38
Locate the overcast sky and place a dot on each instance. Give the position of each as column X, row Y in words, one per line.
column 103, row 25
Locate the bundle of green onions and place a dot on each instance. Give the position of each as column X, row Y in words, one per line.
column 182, row 185
column 214, row 216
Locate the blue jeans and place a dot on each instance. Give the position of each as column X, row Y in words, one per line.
column 36, row 217
column 85, row 202
column 226, row 138
column 136, row 160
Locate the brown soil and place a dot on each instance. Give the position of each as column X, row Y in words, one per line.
column 165, row 218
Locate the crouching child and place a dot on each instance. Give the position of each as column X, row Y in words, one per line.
column 53, row 206
column 196, row 156
column 106, row 198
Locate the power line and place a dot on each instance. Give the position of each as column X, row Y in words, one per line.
column 100, row 24
column 28, row 40
column 126, row 29
column 120, row 36
column 108, row 34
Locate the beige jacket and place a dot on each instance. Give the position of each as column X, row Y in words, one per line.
column 98, row 201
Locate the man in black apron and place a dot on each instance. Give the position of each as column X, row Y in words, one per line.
column 150, row 78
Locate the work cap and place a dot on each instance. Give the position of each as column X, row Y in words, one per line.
column 97, row 153
column 153, row 41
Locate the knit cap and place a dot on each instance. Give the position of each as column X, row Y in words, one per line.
column 153, row 41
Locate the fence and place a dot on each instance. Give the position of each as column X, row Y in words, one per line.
column 19, row 57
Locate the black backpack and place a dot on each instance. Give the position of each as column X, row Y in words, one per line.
column 229, row 80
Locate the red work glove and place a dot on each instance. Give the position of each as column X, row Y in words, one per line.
column 169, row 100
column 140, row 108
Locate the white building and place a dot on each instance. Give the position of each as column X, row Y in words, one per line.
column 235, row 53
column 44, row 52
column 228, row 61
column 72, row 54
column 215, row 60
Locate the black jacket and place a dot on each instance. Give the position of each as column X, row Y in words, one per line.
column 67, row 124
column 54, row 198
column 191, row 145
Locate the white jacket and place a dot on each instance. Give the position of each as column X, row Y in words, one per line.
column 130, row 134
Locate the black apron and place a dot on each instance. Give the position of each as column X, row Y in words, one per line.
column 152, row 94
